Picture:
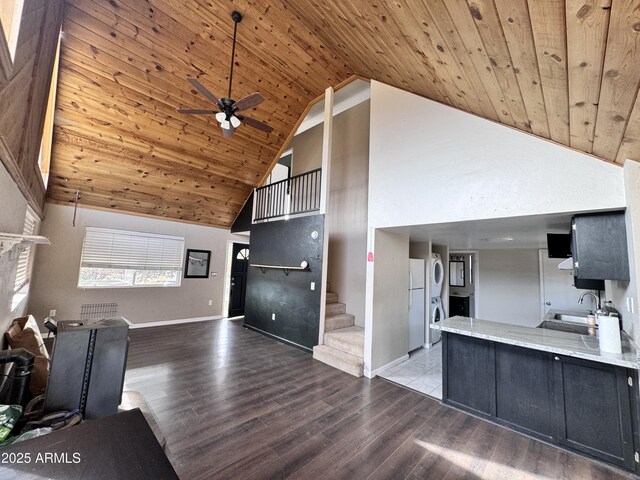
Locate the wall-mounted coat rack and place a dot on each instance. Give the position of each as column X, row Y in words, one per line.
column 10, row 240
column 304, row 265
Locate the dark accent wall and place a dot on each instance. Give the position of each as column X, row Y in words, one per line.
column 242, row 222
column 296, row 306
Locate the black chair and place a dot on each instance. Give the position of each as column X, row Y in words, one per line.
column 18, row 365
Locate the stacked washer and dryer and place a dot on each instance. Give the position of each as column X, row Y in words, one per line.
column 436, row 312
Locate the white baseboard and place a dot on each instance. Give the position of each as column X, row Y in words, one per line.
column 173, row 322
column 371, row 374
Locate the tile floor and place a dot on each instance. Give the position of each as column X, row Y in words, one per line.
column 421, row 372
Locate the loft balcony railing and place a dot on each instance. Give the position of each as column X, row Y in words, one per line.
column 293, row 196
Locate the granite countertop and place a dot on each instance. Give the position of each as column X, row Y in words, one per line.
column 570, row 344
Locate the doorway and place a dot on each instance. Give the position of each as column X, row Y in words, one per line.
column 238, row 279
column 463, row 279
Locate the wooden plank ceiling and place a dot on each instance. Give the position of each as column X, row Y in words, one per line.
column 565, row 70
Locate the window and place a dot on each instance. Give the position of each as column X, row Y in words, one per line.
column 121, row 259
column 10, row 19
column 24, row 260
column 44, row 159
column 243, row 254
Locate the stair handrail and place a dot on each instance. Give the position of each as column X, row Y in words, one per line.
column 304, row 265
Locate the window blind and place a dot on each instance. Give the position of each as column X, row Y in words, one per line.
column 22, row 270
column 121, row 249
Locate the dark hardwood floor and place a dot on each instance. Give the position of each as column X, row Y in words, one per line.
column 234, row 404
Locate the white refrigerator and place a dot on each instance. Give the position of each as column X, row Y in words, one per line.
column 416, row 303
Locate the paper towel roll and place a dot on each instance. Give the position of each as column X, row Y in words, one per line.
column 609, row 334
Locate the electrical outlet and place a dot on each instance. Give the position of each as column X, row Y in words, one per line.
column 210, row 302
column 313, row 285
column 273, row 316
column 52, row 313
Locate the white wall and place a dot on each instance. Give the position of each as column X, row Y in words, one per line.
column 12, row 212
column 56, row 269
column 307, row 150
column 508, row 288
column 347, row 208
column 390, row 300
column 435, row 164
column 618, row 291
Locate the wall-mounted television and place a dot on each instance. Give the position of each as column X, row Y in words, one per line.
column 559, row 245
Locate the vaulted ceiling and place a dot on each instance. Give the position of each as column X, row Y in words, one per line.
column 564, row 70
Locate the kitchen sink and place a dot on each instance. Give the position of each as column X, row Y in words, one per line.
column 566, row 326
column 565, row 317
column 570, row 322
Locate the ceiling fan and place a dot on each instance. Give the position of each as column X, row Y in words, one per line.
column 228, row 108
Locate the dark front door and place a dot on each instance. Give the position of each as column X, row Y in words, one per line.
column 239, row 267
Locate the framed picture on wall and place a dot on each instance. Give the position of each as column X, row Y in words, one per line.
column 197, row 264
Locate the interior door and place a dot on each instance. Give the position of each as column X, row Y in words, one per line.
column 239, row 268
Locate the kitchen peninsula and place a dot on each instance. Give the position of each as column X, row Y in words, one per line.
column 552, row 385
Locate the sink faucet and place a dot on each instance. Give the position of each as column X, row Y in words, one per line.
column 595, row 297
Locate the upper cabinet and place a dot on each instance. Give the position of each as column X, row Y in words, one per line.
column 599, row 246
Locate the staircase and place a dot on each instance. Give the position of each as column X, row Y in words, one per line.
column 343, row 342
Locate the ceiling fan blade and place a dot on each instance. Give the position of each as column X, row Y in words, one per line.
column 191, row 111
column 227, row 132
column 252, row 122
column 248, row 102
column 205, row 92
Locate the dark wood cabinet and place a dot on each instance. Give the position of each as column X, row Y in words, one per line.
column 599, row 246
column 468, row 371
column 576, row 403
column 458, row 306
column 524, row 390
column 594, row 410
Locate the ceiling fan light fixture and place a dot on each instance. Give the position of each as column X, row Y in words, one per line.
column 227, row 106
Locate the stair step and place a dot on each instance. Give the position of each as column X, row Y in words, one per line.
column 335, row 308
column 348, row 339
column 338, row 359
column 335, row 322
column 332, row 297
